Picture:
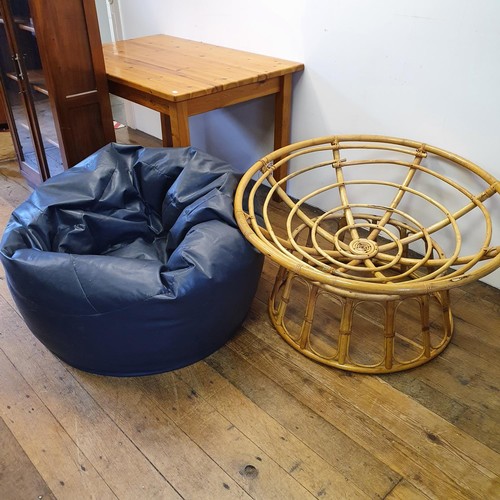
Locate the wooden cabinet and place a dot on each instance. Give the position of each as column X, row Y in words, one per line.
column 54, row 83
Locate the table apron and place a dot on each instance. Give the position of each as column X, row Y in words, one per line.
column 201, row 104
column 142, row 97
column 234, row 95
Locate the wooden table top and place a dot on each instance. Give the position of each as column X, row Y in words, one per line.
column 177, row 69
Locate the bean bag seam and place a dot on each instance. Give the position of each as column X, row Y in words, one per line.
column 80, row 283
column 200, row 201
column 99, row 198
column 136, row 303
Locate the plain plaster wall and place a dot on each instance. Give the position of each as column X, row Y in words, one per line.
column 426, row 70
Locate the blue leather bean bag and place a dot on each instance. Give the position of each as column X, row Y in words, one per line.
column 131, row 262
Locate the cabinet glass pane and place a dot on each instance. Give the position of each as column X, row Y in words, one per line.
column 48, row 131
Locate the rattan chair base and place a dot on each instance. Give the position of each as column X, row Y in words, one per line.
column 378, row 348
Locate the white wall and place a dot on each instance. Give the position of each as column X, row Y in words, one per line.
column 427, row 70
column 102, row 16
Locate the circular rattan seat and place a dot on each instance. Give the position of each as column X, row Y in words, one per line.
column 394, row 234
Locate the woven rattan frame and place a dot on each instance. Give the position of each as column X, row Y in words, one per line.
column 369, row 255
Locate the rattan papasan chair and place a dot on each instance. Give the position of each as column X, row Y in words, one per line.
column 131, row 263
column 379, row 233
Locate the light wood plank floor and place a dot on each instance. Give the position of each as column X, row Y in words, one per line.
column 256, row 419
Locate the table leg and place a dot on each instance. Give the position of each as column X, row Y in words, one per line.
column 175, row 126
column 166, row 131
column 282, row 118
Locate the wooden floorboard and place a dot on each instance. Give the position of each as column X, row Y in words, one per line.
column 19, row 478
column 255, row 419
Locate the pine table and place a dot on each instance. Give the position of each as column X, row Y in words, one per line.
column 180, row 78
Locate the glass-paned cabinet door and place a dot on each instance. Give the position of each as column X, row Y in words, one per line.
column 27, row 98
